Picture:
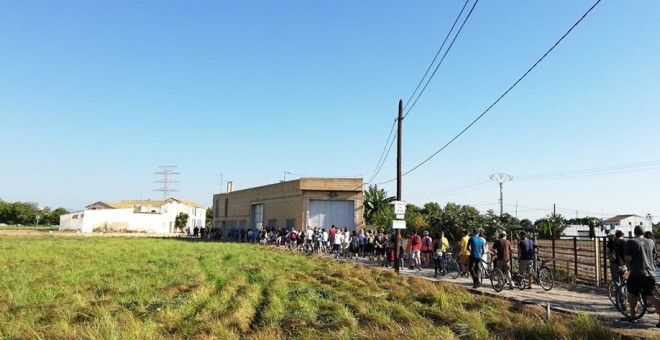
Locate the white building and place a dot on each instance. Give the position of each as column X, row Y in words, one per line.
column 626, row 223
column 134, row 216
column 582, row 231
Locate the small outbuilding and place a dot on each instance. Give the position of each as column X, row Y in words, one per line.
column 147, row 216
column 297, row 204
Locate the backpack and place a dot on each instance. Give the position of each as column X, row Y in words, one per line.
column 354, row 242
column 415, row 240
column 293, row 236
column 428, row 242
column 371, row 240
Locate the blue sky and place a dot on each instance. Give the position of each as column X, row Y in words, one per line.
column 94, row 96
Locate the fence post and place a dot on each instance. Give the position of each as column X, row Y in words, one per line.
column 605, row 260
column 597, row 258
column 554, row 269
column 575, row 257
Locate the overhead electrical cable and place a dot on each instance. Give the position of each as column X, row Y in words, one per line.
column 503, row 95
column 436, row 55
column 444, row 55
column 623, row 168
column 383, row 156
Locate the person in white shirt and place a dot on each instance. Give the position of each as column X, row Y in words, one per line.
column 336, row 243
column 325, row 244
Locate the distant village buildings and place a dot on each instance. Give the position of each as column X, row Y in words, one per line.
column 625, row 223
column 147, row 216
column 297, row 204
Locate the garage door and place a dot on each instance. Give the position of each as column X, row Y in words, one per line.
column 324, row 214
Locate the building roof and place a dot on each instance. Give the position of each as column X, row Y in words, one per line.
column 144, row 203
column 618, row 218
column 186, row 202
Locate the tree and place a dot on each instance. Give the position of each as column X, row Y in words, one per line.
column 181, row 220
column 551, row 226
column 209, row 217
column 375, row 204
column 53, row 217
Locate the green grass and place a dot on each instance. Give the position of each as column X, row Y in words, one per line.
column 129, row 288
column 24, row 227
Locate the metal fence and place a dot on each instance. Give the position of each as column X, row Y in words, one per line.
column 576, row 259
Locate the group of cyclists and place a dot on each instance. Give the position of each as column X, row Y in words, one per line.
column 633, row 269
column 421, row 250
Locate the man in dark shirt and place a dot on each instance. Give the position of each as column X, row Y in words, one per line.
column 639, row 255
column 502, row 248
column 526, row 249
column 616, row 248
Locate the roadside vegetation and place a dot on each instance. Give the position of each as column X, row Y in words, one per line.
column 71, row 287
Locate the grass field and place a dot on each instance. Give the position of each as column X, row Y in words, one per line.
column 34, row 228
column 145, row 288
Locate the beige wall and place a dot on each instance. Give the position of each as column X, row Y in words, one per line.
column 287, row 200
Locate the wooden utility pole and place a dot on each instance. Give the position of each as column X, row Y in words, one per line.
column 398, row 185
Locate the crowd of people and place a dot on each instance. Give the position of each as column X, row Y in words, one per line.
column 423, row 250
column 635, row 257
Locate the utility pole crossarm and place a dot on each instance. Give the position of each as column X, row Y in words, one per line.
column 501, row 178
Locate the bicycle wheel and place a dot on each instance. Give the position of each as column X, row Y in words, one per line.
column 624, row 306
column 482, row 273
column 453, row 269
column 497, row 280
column 519, row 281
column 546, row 279
column 650, row 308
column 611, row 292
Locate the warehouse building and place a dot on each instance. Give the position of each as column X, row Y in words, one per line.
column 297, row 204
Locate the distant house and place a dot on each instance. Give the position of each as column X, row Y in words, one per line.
column 147, row 216
column 626, row 223
column 581, row 231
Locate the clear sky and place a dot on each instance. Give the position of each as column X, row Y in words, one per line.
column 95, row 95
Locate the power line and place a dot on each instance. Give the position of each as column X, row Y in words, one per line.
column 443, row 57
column 504, row 94
column 436, row 57
column 383, row 156
column 614, row 169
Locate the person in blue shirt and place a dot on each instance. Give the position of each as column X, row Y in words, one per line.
column 476, row 246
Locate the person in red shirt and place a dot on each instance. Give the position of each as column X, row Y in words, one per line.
column 427, row 248
column 415, row 246
column 331, row 235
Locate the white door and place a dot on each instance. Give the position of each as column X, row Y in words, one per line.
column 324, row 214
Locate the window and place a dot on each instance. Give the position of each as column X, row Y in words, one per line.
column 217, row 208
column 226, row 206
column 241, row 224
column 257, row 216
column 272, row 223
column 291, row 223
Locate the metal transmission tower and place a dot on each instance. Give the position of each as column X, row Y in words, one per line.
column 166, row 171
column 501, row 178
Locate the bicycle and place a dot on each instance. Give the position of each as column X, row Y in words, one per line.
column 614, row 285
column 623, row 305
column 495, row 275
column 543, row 276
column 450, row 264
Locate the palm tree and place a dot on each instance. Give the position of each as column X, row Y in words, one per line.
column 375, row 200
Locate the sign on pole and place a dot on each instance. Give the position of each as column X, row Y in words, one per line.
column 399, row 210
column 398, row 224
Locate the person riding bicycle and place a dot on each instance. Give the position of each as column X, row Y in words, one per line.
column 616, row 247
column 502, row 248
column 476, row 246
column 526, row 251
column 639, row 254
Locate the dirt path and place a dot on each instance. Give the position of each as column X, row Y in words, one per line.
column 562, row 298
